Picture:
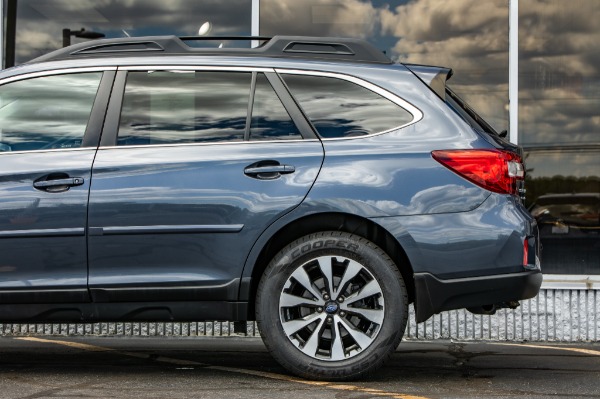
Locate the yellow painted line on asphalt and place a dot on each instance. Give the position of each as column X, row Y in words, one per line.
column 94, row 348
column 256, row 373
column 562, row 348
column 76, row 345
column 328, row 385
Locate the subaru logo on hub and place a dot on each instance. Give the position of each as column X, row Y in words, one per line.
column 331, row 308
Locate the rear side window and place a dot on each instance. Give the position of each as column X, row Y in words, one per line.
column 174, row 107
column 339, row 108
column 48, row 112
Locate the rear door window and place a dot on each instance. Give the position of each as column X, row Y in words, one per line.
column 340, row 108
column 176, row 107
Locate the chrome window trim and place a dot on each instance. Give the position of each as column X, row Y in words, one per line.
column 194, row 68
column 51, row 72
column 48, row 150
column 411, row 109
column 208, row 143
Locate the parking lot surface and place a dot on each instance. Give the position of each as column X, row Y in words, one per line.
column 232, row 367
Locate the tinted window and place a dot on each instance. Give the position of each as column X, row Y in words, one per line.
column 270, row 120
column 339, row 108
column 48, row 112
column 172, row 107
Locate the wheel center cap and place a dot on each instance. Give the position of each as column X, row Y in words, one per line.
column 331, row 307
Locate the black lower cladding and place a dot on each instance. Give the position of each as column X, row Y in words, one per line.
column 124, row 311
column 434, row 295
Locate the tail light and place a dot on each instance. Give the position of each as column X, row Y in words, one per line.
column 495, row 170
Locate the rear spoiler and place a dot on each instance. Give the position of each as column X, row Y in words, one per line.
column 433, row 76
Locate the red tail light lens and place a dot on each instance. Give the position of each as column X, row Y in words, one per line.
column 495, row 170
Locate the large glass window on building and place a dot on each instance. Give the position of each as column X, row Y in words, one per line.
column 36, row 27
column 470, row 36
column 559, row 127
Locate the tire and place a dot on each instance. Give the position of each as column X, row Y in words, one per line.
column 339, row 332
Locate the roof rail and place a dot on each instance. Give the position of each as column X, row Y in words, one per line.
column 208, row 38
column 305, row 47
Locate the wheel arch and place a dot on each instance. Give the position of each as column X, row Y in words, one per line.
column 324, row 222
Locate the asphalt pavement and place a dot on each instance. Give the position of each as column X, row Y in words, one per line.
column 240, row 367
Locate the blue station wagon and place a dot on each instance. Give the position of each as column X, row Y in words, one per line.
column 310, row 184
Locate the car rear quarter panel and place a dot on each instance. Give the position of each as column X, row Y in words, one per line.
column 485, row 241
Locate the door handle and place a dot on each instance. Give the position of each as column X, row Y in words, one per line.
column 268, row 170
column 58, row 185
column 281, row 169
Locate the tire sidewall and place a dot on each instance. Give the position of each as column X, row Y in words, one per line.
column 331, row 244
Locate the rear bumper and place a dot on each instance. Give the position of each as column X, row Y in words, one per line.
column 433, row 295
